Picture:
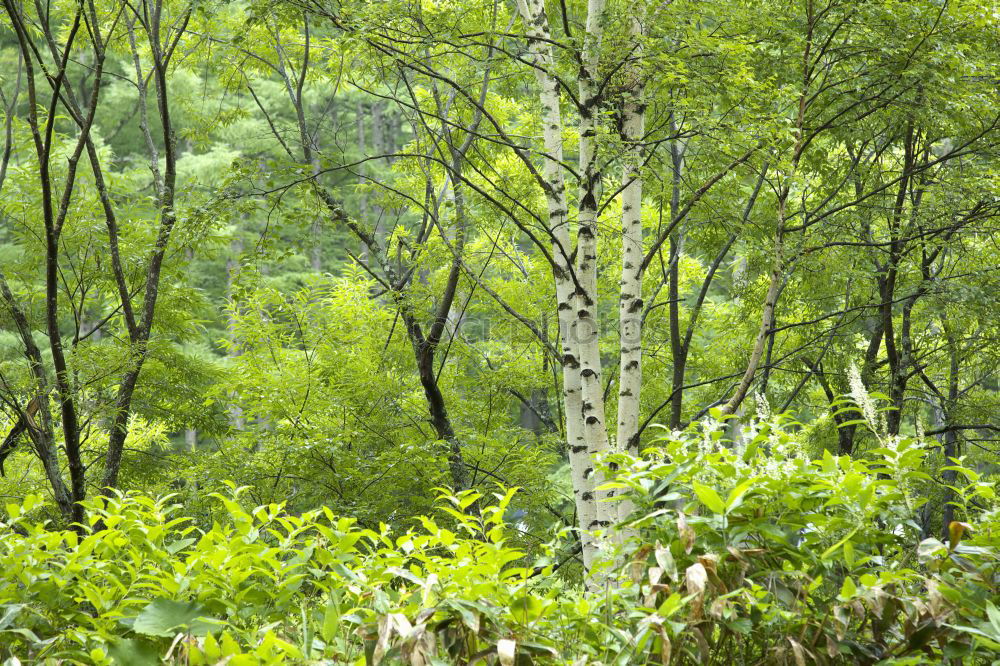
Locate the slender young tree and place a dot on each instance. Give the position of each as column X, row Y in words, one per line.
column 52, row 45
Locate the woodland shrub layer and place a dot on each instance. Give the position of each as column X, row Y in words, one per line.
column 756, row 555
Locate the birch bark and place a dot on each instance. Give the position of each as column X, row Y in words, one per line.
column 586, row 327
column 630, row 301
column 539, row 43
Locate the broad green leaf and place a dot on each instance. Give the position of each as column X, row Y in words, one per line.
column 166, row 617
column 134, row 652
column 709, row 497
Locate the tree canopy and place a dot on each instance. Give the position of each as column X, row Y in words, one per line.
column 637, row 260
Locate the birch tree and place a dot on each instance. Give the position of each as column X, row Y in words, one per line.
column 759, row 108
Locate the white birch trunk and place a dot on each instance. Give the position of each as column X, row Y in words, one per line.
column 630, row 299
column 537, row 27
column 586, row 327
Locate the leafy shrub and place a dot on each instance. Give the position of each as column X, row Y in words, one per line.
column 757, row 555
column 784, row 559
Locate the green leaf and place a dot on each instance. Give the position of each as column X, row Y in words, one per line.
column 166, row 617
column 134, row 652
column 178, row 545
column 994, row 614
column 27, row 633
column 526, row 609
column 929, row 549
column 848, row 590
column 331, row 622
column 736, row 495
column 10, row 611
column 832, row 549
column 709, row 497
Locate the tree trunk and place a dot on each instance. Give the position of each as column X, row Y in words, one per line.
column 630, row 303
column 43, row 437
column 678, row 347
column 539, row 42
column 362, row 122
column 951, row 443
column 236, row 419
column 586, row 325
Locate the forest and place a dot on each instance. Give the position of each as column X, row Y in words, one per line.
column 499, row 332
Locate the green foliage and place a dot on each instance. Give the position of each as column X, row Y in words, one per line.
column 811, row 560
column 327, row 373
column 732, row 556
column 352, row 175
